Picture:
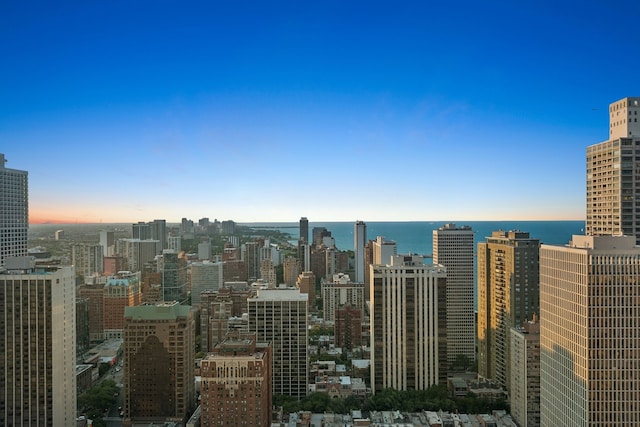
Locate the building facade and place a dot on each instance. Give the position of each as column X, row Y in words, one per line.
column 172, row 267
column 205, row 275
column 14, row 211
column 236, row 383
column 453, row 247
column 338, row 292
column 280, row 316
column 159, row 346
column 408, row 324
column 613, row 181
column 589, row 341
column 359, row 240
column 524, row 393
column 383, row 250
column 87, row 259
column 38, row 347
column 508, row 295
column 120, row 291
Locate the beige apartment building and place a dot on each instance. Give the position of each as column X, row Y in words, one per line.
column 613, row 183
column 590, row 332
column 508, row 294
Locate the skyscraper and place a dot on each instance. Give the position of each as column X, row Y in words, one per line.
column 359, row 240
column 338, row 292
column 408, row 324
column 37, row 344
column 14, row 212
column 304, row 230
column 589, row 340
column 508, row 294
column 280, row 316
column 107, row 241
column 205, row 275
column 383, row 251
column 612, row 177
column 159, row 345
column 453, row 247
column 173, row 269
column 524, row 392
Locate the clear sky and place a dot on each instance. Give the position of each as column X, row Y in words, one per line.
column 127, row 111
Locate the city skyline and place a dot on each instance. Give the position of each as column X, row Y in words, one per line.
column 128, row 113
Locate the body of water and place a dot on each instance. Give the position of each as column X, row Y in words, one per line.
column 417, row 237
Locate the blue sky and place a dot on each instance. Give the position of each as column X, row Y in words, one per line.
column 269, row 111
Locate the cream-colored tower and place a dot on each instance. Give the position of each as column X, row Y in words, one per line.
column 612, row 178
column 589, row 332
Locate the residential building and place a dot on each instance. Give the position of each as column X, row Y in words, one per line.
column 120, row 291
column 280, row 316
column 37, row 344
column 347, row 327
column 108, row 243
column 383, row 250
column 307, row 284
column 359, row 240
column 291, row 270
column 236, row 383
column 173, row 268
column 508, row 295
column 87, row 259
column 589, row 341
column 408, row 324
column 338, row 292
column 14, row 211
column 159, row 345
column 612, row 176
column 94, row 293
column 137, row 252
column 453, row 247
column 524, row 393
column 268, row 272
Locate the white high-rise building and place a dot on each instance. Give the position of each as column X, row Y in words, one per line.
column 612, row 176
column 37, row 344
column 137, row 252
column 359, row 240
column 408, row 324
column 280, row 316
column 87, row 259
column 383, row 251
column 339, row 292
column 14, row 212
column 205, row 275
column 107, row 241
column 589, row 332
column 453, row 247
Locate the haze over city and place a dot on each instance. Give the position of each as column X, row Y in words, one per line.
column 267, row 112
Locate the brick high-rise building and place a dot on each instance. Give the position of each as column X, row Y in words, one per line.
column 347, row 327
column 338, row 292
column 159, row 346
column 120, row 291
column 94, row 293
column 236, row 383
column 307, row 284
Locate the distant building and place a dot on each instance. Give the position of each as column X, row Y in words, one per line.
column 338, row 292
column 508, row 295
column 204, row 250
column 205, row 275
column 589, row 341
column 359, row 240
column 453, row 247
column 612, row 175
column 159, row 343
column 174, row 243
column 87, row 259
column 304, row 230
column 236, row 383
column 94, row 294
column 307, row 284
column 524, row 393
column 383, row 251
column 268, row 272
column 228, row 228
column 280, row 316
column 83, row 338
column 408, row 324
column 14, row 217
column 348, row 327
column 108, row 243
column 137, row 252
column 37, row 344
column 173, row 269
column 120, row 291
column 291, row 270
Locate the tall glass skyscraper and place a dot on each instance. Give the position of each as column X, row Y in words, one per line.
column 14, row 211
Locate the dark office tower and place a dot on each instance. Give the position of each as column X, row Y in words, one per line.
column 508, row 295
column 613, row 179
column 14, row 212
column 251, row 257
column 304, row 229
column 173, row 269
column 453, row 247
column 159, row 343
column 158, row 231
column 141, row 231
